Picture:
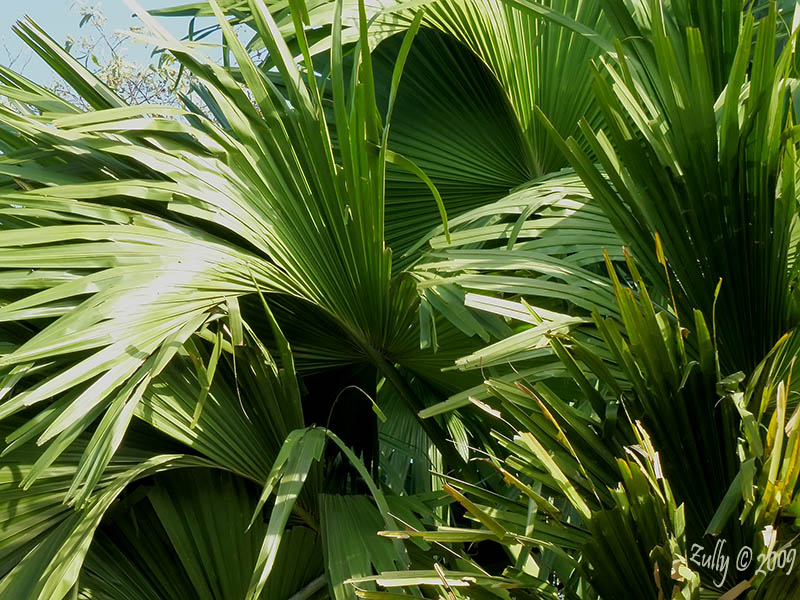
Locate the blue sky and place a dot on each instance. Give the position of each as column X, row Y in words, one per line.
column 59, row 20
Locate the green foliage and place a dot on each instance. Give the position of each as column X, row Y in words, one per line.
column 444, row 299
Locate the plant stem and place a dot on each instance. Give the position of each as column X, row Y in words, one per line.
column 309, row 590
column 431, row 428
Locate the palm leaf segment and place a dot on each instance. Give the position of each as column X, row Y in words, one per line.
column 679, row 74
column 631, row 218
column 145, row 234
column 273, row 212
